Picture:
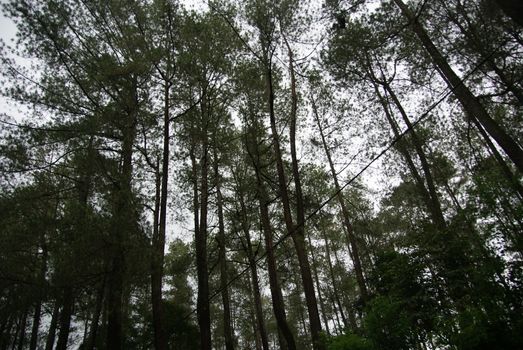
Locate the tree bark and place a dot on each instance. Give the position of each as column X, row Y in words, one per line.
column 65, row 318
column 227, row 327
column 23, row 323
column 474, row 39
column 253, row 314
column 160, row 339
column 317, row 281
column 277, row 297
column 33, row 342
column 469, row 102
column 91, row 339
column 52, row 327
column 36, row 324
column 254, row 275
column 333, row 278
column 122, row 224
column 511, row 178
column 299, row 234
column 5, row 335
column 424, row 193
column 354, row 248
column 434, row 203
column 203, row 307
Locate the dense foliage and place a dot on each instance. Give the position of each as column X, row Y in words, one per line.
column 258, row 174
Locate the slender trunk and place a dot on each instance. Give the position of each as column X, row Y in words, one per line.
column 196, row 200
column 6, row 332
column 253, row 312
column 114, row 302
column 469, row 102
column 36, row 324
column 354, row 248
column 5, row 328
column 350, row 310
column 227, row 327
column 296, row 232
column 435, row 205
column 86, row 331
column 23, row 323
column 156, row 292
column 122, row 224
column 303, row 322
column 512, row 179
column 336, row 294
column 52, row 327
column 277, row 297
column 15, row 335
column 338, row 328
column 318, row 288
column 160, row 339
column 203, row 307
column 65, row 318
column 38, row 306
column 425, row 195
column 258, row 304
column 257, row 338
column 474, row 38
column 254, row 277
column 196, row 206
column 476, row 238
column 91, row 339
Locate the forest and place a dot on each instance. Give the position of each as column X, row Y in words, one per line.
column 261, row 174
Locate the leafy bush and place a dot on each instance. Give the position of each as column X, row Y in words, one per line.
column 348, row 341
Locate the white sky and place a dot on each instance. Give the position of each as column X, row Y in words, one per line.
column 7, row 27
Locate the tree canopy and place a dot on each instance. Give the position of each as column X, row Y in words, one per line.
column 334, row 175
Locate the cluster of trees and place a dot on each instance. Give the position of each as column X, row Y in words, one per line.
column 197, row 179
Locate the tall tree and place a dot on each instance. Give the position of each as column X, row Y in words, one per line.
column 469, row 102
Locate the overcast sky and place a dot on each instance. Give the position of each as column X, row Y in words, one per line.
column 7, row 35
column 7, row 27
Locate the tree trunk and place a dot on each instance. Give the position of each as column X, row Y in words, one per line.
column 36, row 325
column 338, row 329
column 469, row 102
column 23, row 323
column 336, row 294
column 65, row 318
column 122, row 224
column 160, row 339
column 511, row 178
column 253, row 314
column 38, row 306
column 301, row 248
column 277, row 297
column 474, row 38
column 254, row 276
column 52, row 327
column 433, row 202
column 353, row 249
column 227, row 327
column 5, row 335
column 317, row 281
column 91, row 339
column 203, row 308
